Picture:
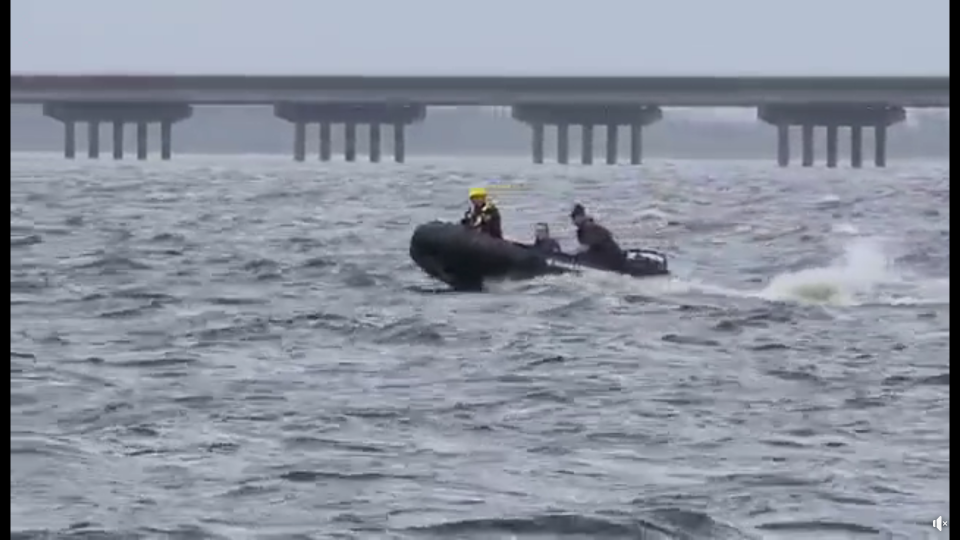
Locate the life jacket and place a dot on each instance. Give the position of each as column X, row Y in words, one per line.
column 484, row 219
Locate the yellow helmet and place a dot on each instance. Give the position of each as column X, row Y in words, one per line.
column 478, row 192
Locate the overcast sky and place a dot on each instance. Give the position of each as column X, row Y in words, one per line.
column 617, row 37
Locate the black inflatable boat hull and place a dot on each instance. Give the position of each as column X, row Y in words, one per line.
column 464, row 259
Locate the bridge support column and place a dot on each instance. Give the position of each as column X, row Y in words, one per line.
column 856, row 117
column 93, row 139
column 783, row 145
column 880, row 146
column 399, row 143
column 350, row 142
column 350, row 115
column 70, row 139
column 856, row 146
column 586, row 144
column 636, row 144
column 324, row 141
column 374, row 143
column 299, row 141
column 587, row 116
column 118, row 140
column 166, row 140
column 537, row 143
column 116, row 114
column 831, row 146
column 142, row 141
column 563, row 143
column 612, row 142
column 807, row 131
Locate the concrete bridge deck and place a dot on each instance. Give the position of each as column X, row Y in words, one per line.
column 699, row 91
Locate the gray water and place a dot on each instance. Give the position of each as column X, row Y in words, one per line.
column 239, row 347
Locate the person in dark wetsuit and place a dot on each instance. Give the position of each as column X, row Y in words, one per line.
column 598, row 245
column 483, row 215
column 542, row 240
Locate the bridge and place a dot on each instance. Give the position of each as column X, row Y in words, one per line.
column 610, row 102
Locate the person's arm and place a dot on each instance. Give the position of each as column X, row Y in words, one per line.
column 492, row 217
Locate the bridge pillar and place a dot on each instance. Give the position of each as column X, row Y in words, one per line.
column 299, row 141
column 636, row 144
column 93, row 139
column 375, row 143
column 117, row 140
column 537, row 143
column 399, row 143
column 783, row 145
column 832, row 116
column 350, row 142
column 807, row 131
column 588, row 116
column 832, row 146
column 880, row 146
column 563, row 143
column 324, row 141
column 350, row 115
column 166, row 140
column 856, row 146
column 142, row 141
column 117, row 114
column 70, row 139
column 586, row 144
column 612, row 135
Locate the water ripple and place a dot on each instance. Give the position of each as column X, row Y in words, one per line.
column 240, row 348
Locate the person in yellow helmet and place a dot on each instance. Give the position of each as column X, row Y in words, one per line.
column 483, row 215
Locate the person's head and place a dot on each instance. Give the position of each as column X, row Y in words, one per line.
column 478, row 196
column 542, row 231
column 578, row 215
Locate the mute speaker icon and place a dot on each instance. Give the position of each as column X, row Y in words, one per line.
column 939, row 523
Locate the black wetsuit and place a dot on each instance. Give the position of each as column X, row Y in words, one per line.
column 546, row 245
column 602, row 249
column 485, row 219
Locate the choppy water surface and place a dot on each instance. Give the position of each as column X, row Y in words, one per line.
column 240, row 348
